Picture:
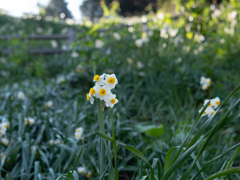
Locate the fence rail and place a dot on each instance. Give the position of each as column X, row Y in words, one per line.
column 45, row 51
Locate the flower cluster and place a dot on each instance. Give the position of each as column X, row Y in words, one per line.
column 29, row 120
column 214, row 103
column 144, row 39
column 83, row 170
column 99, row 44
column 3, row 128
column 52, row 142
column 78, row 133
column 102, row 89
column 205, row 82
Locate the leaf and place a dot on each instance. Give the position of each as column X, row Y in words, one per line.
column 145, row 177
column 75, row 175
column 167, row 159
column 151, row 130
column 224, row 173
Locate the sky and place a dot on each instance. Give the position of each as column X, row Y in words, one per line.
column 18, row 7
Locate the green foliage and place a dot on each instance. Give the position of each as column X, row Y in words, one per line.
column 159, row 132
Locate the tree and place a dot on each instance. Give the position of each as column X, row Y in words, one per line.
column 92, row 8
column 57, row 8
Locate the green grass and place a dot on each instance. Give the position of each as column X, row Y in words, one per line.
column 159, row 99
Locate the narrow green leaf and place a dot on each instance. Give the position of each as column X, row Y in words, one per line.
column 168, row 158
column 224, row 173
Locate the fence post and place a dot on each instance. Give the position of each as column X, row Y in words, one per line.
column 71, row 34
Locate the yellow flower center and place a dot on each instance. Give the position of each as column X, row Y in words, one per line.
column 205, row 112
column 92, row 91
column 0, row 132
column 96, row 78
column 5, row 125
column 209, row 82
column 88, row 97
column 212, row 112
column 218, row 103
column 76, row 135
column 111, row 80
column 210, row 104
column 30, row 123
column 102, row 92
column 78, row 130
column 113, row 101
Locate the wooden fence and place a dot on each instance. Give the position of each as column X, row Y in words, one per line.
column 69, row 38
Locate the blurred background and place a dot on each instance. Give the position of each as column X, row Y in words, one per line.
column 159, row 50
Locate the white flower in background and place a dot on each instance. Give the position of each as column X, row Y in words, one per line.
column 129, row 60
column 99, row 44
column 51, row 142
column 164, row 45
column 199, row 38
column 140, row 65
column 78, row 133
column 144, row 37
column 208, row 112
column 131, row 29
column 29, row 120
column 173, row 32
column 74, row 54
column 178, row 60
column 21, row 95
column 216, row 13
column 150, row 33
column 139, row 43
column 163, row 33
column 117, row 36
column 3, row 129
column 108, row 51
column 82, row 170
column 79, row 68
column 222, row 41
column 205, row 82
column 5, row 141
column 64, row 47
column 54, row 43
column 232, row 15
column 134, row 36
column 49, row 104
column 160, row 15
column 215, row 102
column 39, row 30
column 58, row 141
column 102, row 89
column 60, row 79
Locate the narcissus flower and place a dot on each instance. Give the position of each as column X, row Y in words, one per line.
column 117, row 36
column 102, row 89
column 99, row 44
column 78, row 133
column 205, row 82
column 29, row 121
column 5, row 141
column 81, row 170
column 214, row 103
column 208, row 112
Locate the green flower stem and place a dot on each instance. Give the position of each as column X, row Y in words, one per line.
column 102, row 130
column 114, row 147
